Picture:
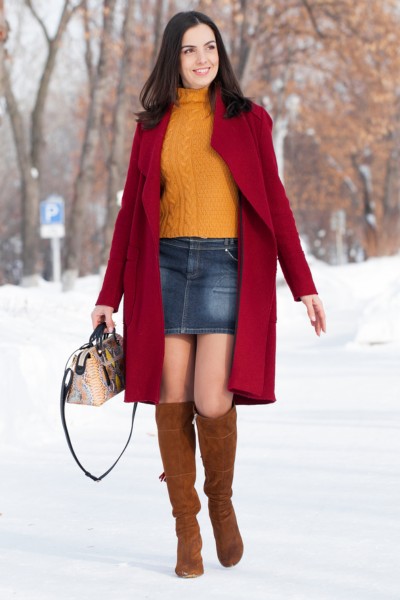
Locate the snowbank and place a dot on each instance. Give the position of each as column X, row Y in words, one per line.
column 316, row 478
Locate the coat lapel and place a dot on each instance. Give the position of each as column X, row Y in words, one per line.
column 234, row 142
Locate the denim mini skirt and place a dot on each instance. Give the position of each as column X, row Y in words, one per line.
column 199, row 284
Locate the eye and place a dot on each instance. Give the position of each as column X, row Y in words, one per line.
column 187, row 50
column 211, row 47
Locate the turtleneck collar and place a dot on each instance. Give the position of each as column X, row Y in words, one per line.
column 189, row 95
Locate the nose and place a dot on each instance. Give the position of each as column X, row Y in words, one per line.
column 201, row 57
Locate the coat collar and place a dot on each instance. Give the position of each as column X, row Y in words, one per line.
column 234, row 141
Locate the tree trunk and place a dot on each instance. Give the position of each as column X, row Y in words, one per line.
column 391, row 203
column 119, row 129
column 243, row 47
column 84, row 182
column 370, row 224
column 170, row 9
column 157, row 28
column 29, row 151
column 29, row 184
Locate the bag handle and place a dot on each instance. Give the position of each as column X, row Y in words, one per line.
column 63, row 397
column 99, row 335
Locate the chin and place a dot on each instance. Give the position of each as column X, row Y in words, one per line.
column 203, row 82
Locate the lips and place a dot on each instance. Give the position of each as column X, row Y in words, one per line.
column 202, row 71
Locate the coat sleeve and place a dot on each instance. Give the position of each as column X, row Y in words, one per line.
column 112, row 289
column 290, row 253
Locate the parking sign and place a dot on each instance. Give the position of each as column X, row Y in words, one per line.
column 52, row 217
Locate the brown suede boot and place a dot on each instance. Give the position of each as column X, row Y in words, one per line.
column 177, row 441
column 217, row 440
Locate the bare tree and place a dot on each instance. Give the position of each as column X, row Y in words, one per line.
column 84, row 182
column 171, row 8
column 3, row 39
column 29, row 145
column 119, row 126
column 158, row 27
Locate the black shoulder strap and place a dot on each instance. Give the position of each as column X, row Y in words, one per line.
column 64, row 389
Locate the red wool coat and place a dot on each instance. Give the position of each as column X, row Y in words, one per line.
column 266, row 232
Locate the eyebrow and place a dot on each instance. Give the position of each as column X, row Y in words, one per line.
column 189, row 46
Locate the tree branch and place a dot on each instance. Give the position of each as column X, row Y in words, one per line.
column 88, row 46
column 53, row 45
column 14, row 114
column 67, row 13
column 39, row 20
column 312, row 18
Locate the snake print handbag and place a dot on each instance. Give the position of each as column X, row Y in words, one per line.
column 97, row 370
column 95, row 374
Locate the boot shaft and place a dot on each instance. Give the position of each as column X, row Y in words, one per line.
column 177, row 442
column 217, row 441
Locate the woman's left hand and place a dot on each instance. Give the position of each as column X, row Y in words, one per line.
column 316, row 312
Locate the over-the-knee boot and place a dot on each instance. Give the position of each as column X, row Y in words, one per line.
column 217, row 440
column 177, row 441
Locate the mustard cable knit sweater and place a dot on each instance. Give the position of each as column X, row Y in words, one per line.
column 199, row 195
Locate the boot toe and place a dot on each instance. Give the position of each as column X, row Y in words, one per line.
column 232, row 556
column 190, row 572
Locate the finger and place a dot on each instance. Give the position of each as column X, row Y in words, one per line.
column 320, row 313
column 321, row 317
column 311, row 313
column 318, row 327
column 109, row 322
column 95, row 319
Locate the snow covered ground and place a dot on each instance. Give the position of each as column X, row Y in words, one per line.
column 317, row 488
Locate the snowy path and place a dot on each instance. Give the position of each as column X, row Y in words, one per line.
column 317, row 475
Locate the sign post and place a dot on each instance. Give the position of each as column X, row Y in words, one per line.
column 52, row 227
column 338, row 224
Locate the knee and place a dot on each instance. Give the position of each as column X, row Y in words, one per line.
column 211, row 413
column 213, row 408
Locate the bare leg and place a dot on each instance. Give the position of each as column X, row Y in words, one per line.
column 212, row 367
column 178, row 368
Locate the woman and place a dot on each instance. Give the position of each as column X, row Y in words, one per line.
column 203, row 219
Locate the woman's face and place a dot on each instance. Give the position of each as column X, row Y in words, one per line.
column 198, row 63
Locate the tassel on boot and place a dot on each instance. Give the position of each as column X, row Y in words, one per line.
column 177, row 441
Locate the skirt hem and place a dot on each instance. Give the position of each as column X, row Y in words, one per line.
column 198, row 330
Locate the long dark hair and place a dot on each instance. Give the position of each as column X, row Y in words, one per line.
column 160, row 89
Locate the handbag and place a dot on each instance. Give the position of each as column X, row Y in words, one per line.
column 93, row 374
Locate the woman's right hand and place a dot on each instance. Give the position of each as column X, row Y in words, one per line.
column 103, row 314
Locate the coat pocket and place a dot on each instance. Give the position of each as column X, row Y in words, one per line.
column 130, row 280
